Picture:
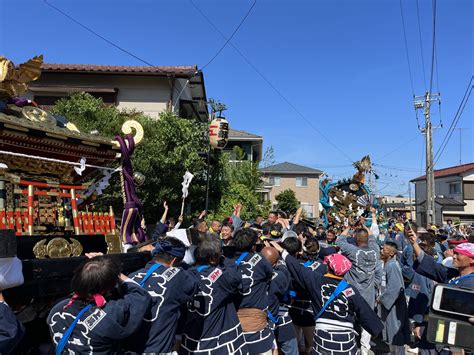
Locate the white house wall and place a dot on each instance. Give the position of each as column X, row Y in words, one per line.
column 149, row 94
column 442, row 189
column 468, row 176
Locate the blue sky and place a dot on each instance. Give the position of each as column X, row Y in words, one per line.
column 341, row 63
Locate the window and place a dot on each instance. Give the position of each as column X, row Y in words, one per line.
column 308, row 210
column 454, row 188
column 468, row 189
column 301, row 182
column 275, row 180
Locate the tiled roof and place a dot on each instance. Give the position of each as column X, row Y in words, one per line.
column 453, row 170
column 120, row 69
column 290, row 168
column 235, row 134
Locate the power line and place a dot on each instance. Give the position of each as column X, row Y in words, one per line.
column 277, row 91
column 97, row 34
column 333, row 166
column 421, row 41
column 87, row 28
column 434, row 63
column 437, row 87
column 397, row 168
column 231, row 36
column 406, row 49
column 433, row 46
column 221, row 48
column 455, row 121
column 437, row 71
column 408, row 61
column 403, row 145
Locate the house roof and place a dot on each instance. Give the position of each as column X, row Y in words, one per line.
column 453, row 170
column 185, row 71
column 191, row 72
column 445, row 201
column 290, row 168
column 236, row 135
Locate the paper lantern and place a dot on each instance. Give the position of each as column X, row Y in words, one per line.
column 219, row 132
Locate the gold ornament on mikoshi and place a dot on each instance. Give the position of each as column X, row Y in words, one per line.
column 219, row 132
column 138, row 178
column 127, row 128
column 14, row 80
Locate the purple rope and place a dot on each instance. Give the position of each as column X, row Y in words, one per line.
column 131, row 198
column 127, row 168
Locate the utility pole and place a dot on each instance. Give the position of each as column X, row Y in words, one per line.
column 424, row 102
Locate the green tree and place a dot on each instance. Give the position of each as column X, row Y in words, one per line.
column 268, row 158
column 287, row 201
column 217, row 106
column 171, row 145
column 239, row 183
column 241, row 170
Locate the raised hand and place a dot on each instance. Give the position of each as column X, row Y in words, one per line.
column 411, row 235
column 203, row 214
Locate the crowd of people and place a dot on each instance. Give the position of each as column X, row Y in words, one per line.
column 269, row 286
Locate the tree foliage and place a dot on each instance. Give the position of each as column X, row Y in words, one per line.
column 171, row 146
column 217, row 106
column 287, row 201
column 240, row 182
column 241, row 171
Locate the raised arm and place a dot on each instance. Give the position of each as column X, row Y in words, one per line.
column 165, row 213
column 304, row 276
column 297, row 217
column 236, row 220
column 427, row 266
column 203, row 214
column 345, row 247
